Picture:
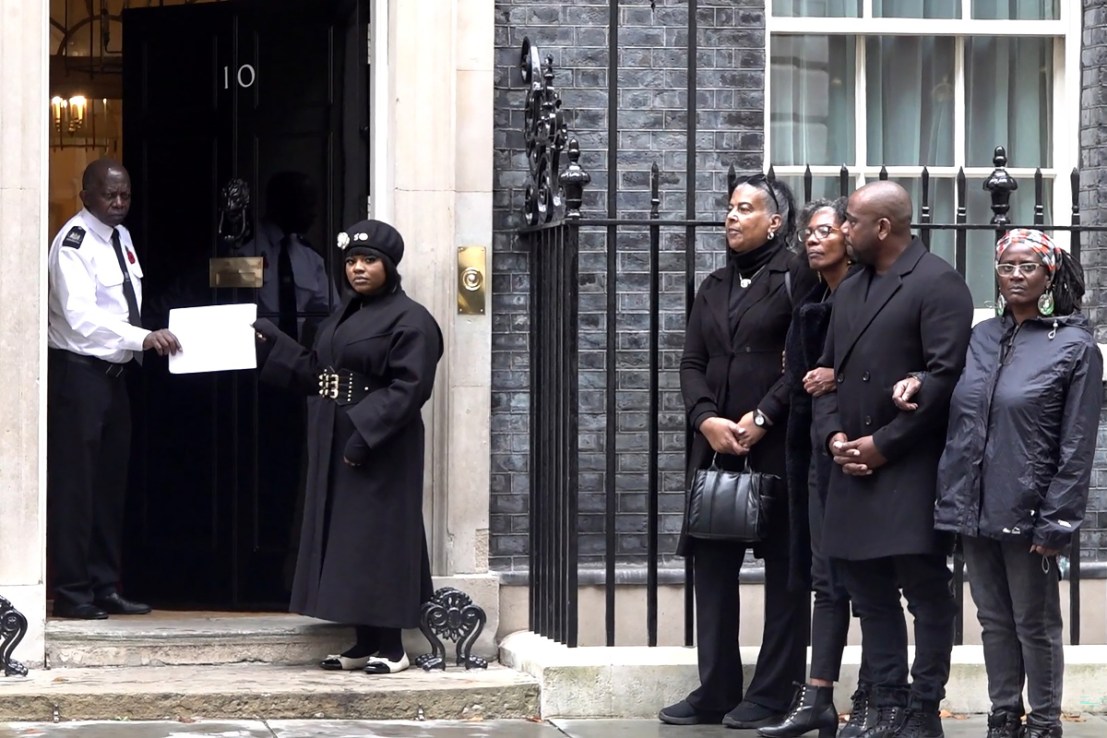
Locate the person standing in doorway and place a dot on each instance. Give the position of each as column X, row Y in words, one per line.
column 907, row 311
column 95, row 335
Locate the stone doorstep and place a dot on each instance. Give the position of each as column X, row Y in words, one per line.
column 635, row 682
column 165, row 639
column 241, row 691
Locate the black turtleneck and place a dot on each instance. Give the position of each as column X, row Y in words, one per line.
column 746, row 265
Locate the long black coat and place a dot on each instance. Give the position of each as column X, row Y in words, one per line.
column 1022, row 432
column 363, row 551
column 917, row 318
column 729, row 374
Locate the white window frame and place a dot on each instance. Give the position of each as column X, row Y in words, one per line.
column 1066, row 33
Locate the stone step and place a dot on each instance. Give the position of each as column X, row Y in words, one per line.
column 242, row 691
column 181, row 638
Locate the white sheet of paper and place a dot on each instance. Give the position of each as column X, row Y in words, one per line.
column 213, row 339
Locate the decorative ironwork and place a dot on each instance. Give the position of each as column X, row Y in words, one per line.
column 545, row 134
column 1001, row 185
column 13, row 626
column 451, row 614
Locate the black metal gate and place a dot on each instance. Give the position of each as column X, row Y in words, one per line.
column 552, row 237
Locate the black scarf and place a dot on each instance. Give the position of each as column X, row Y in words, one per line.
column 745, row 265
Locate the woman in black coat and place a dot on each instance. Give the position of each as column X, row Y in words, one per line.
column 1013, row 480
column 820, row 225
column 731, row 378
column 363, row 551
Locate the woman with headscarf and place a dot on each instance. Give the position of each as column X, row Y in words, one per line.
column 363, row 551
column 1013, row 480
column 736, row 397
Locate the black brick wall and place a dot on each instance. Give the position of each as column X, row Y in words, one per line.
column 652, row 119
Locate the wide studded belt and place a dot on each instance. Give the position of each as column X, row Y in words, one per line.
column 343, row 386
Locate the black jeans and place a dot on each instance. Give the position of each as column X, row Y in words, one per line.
column 783, row 655
column 1019, row 607
column 874, row 587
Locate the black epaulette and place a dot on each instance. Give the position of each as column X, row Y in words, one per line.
column 74, row 237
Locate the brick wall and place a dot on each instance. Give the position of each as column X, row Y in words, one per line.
column 652, row 120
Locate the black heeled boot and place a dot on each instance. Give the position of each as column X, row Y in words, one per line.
column 812, row 709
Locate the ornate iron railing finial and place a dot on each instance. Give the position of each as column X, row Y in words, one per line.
column 1000, row 184
column 546, row 136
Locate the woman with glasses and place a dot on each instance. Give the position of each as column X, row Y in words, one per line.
column 1013, row 479
column 737, row 399
column 807, row 479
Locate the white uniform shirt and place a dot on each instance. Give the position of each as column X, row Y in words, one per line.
column 308, row 272
column 87, row 307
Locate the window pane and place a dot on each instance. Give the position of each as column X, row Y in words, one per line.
column 812, row 100
column 1015, row 9
column 822, row 188
column 910, row 100
column 916, row 8
column 1009, row 83
column 817, row 8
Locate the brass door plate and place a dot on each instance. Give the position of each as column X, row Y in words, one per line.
column 236, row 271
column 471, row 280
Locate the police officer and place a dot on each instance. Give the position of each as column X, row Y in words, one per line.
column 95, row 336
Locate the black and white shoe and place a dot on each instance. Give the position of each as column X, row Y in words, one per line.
column 378, row 665
column 337, row 662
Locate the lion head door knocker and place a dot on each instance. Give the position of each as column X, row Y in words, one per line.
column 451, row 614
column 234, row 202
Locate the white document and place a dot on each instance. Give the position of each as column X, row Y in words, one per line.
column 213, row 339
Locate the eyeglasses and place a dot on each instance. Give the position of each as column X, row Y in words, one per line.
column 1027, row 268
column 761, row 182
column 820, row 232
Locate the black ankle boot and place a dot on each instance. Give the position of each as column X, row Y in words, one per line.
column 1004, row 725
column 889, row 720
column 922, row 723
column 862, row 716
column 812, row 709
column 1042, row 731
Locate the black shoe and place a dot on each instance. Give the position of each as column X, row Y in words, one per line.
column 861, row 715
column 888, row 722
column 1042, row 731
column 1004, row 725
column 117, row 604
column 751, row 715
column 921, row 724
column 683, row 713
column 812, row 709
column 82, row 611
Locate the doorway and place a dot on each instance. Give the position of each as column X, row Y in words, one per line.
column 267, row 99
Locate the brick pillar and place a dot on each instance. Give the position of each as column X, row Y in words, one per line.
column 1093, row 159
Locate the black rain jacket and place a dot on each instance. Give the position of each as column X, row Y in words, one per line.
column 1022, row 432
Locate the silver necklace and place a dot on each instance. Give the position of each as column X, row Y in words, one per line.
column 744, row 282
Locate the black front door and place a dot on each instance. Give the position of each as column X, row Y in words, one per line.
column 273, row 93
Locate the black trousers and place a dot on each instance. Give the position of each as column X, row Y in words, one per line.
column 874, row 587
column 783, row 656
column 88, row 436
column 830, row 615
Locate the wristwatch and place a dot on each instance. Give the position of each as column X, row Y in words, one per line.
column 760, row 419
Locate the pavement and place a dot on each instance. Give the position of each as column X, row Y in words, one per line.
column 1081, row 726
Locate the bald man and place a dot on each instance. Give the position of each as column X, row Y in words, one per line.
column 94, row 333
column 906, row 311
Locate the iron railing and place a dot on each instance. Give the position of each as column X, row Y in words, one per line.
column 552, row 237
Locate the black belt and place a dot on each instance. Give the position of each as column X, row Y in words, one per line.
column 110, row 368
column 343, row 386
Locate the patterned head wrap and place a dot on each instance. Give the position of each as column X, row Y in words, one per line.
column 1040, row 244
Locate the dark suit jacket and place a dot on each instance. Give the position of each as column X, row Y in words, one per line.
column 917, row 318
column 728, row 374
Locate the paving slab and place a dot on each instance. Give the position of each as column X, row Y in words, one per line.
column 974, row 726
column 158, row 729
column 263, row 691
column 412, row 729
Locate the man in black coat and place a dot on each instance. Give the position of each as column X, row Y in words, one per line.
column 906, row 311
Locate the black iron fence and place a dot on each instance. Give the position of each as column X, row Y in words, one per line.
column 553, row 237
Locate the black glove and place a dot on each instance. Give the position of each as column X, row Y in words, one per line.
column 266, row 329
column 357, row 450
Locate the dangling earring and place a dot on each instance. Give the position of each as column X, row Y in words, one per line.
column 1045, row 303
column 1001, row 305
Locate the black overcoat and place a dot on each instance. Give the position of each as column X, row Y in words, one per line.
column 917, row 318
column 729, row 374
column 363, row 552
